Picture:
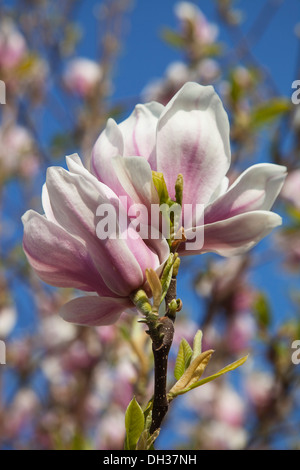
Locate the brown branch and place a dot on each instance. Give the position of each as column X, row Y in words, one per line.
column 160, row 352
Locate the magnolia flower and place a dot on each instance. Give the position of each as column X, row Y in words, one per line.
column 82, row 76
column 65, row 251
column 190, row 136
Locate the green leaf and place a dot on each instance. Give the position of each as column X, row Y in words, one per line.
column 146, row 441
column 197, row 345
column 223, row 371
column 294, row 213
column 172, row 38
column 269, row 111
column 262, row 311
column 148, row 414
column 183, row 358
column 134, row 424
column 192, row 373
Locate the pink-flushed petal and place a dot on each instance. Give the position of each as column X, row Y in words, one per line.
column 135, row 175
column 193, row 139
column 58, row 258
column 161, row 247
column 255, row 189
column 76, row 167
column 109, row 144
column 94, row 310
column 220, row 190
column 75, row 202
column 232, row 236
column 139, row 132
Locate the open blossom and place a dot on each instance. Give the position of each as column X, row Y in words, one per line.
column 82, row 76
column 65, row 251
column 190, row 136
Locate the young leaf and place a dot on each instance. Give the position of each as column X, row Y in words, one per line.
column 145, row 441
column 226, row 369
column 155, row 285
column 193, row 372
column 172, row 38
column 134, row 424
column 262, row 311
column 269, row 111
column 197, row 345
column 183, row 358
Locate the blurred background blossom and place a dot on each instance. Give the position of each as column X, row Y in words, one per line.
column 68, row 67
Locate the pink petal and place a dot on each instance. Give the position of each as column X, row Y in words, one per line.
column 109, row 144
column 139, row 132
column 94, row 310
column 75, row 200
column 232, row 236
column 58, row 258
column 256, row 189
column 193, row 139
column 135, row 175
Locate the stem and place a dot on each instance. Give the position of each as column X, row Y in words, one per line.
column 160, row 353
column 161, row 350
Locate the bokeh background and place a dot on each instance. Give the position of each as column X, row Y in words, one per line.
column 70, row 65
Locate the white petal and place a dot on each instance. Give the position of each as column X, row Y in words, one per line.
column 139, row 132
column 255, row 189
column 232, row 236
column 135, row 175
column 193, row 139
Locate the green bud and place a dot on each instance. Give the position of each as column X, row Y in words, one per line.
column 141, row 301
column 161, row 187
column 172, row 308
column 176, row 266
column 179, row 189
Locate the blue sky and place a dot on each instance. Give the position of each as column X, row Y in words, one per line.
column 145, row 56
